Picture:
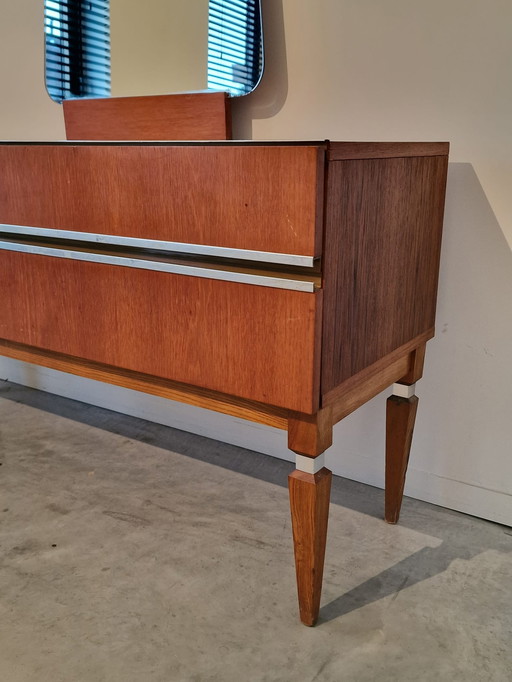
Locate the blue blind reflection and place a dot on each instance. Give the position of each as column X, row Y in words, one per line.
column 234, row 38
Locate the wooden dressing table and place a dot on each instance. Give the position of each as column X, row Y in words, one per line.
column 283, row 282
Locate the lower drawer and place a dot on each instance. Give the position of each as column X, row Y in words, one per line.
column 253, row 342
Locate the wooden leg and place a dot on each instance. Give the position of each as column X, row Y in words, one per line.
column 400, row 417
column 310, row 489
column 401, row 411
column 310, row 434
column 309, row 504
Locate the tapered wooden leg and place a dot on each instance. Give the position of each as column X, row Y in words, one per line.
column 400, row 417
column 310, row 489
column 309, row 504
column 401, row 411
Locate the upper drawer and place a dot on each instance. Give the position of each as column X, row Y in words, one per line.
column 262, row 198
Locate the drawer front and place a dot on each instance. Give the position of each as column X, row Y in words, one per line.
column 254, row 342
column 260, row 198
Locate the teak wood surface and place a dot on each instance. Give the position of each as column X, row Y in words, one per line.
column 339, row 151
column 310, row 435
column 400, row 418
column 189, row 116
column 383, row 230
column 309, row 505
column 256, row 343
column 136, row 381
column 247, row 197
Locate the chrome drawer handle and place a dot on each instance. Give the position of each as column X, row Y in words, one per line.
column 159, row 245
column 227, row 274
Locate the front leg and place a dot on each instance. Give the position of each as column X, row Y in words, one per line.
column 310, row 487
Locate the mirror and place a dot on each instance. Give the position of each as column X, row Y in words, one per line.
column 118, row 48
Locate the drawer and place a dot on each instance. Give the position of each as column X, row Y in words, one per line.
column 255, row 342
column 256, row 198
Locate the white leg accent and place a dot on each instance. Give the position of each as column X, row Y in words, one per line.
column 404, row 391
column 310, row 465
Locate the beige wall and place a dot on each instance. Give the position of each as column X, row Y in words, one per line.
column 158, row 46
column 398, row 70
column 367, row 69
column 26, row 111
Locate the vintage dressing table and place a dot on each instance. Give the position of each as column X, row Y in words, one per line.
column 282, row 282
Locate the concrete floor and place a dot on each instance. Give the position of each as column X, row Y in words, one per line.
column 131, row 552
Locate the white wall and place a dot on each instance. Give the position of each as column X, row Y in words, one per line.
column 369, row 70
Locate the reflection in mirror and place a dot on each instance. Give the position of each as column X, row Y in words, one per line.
column 234, row 45
column 77, row 49
column 101, row 48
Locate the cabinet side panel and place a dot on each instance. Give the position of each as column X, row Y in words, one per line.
column 381, row 262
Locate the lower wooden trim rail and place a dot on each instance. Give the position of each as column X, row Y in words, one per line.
column 172, row 390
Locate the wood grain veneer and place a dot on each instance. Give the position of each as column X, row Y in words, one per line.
column 383, row 227
column 190, row 116
column 249, row 197
column 416, row 368
column 310, row 435
column 385, row 150
column 256, row 343
column 400, row 418
column 164, row 388
column 394, row 367
column 309, row 505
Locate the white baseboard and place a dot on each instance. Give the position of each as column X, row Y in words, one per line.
column 427, row 486
column 269, row 441
column 422, row 485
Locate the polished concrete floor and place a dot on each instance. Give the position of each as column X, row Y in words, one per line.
column 130, row 552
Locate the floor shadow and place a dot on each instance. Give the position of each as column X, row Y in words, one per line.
column 346, row 493
column 359, row 497
column 422, row 565
column 240, row 460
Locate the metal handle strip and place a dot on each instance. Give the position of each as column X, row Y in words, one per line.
column 160, row 245
column 175, row 268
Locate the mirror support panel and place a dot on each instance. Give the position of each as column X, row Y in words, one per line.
column 189, row 116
